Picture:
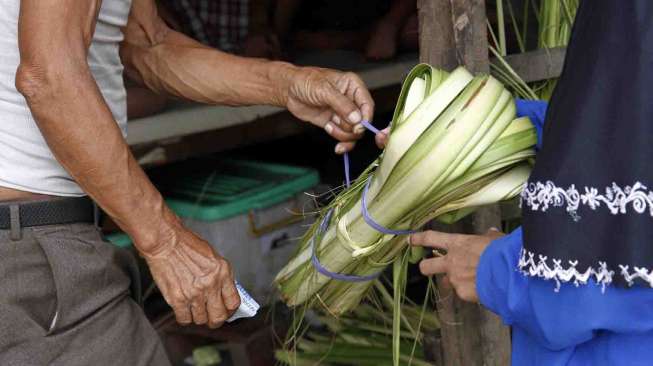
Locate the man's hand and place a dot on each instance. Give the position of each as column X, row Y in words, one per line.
column 196, row 282
column 381, row 138
column 459, row 264
column 333, row 100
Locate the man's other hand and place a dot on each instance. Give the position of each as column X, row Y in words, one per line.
column 196, row 282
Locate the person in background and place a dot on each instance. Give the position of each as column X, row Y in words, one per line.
column 240, row 27
column 377, row 28
column 273, row 28
column 64, row 294
column 397, row 29
column 575, row 282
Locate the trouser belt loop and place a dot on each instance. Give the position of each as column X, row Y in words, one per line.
column 14, row 220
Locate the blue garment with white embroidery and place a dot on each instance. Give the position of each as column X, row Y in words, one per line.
column 571, row 326
column 587, row 210
column 576, row 326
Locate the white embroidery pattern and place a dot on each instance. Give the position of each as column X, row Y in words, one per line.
column 541, row 196
column 533, row 266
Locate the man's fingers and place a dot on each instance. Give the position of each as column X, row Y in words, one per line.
column 434, row 239
column 230, row 297
column 339, row 134
column 344, row 147
column 178, row 302
column 357, row 91
column 182, row 311
column 433, row 266
column 223, row 298
column 336, row 120
column 198, row 310
column 216, row 309
column 381, row 138
column 363, row 98
column 228, row 289
column 343, row 106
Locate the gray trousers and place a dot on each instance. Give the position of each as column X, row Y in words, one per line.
column 65, row 300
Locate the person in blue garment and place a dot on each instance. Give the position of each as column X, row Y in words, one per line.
column 574, row 282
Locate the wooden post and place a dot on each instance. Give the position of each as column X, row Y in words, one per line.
column 452, row 33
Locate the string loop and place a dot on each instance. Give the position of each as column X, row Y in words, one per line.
column 324, row 225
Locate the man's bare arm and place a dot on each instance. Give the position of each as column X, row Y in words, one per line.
column 169, row 62
column 54, row 77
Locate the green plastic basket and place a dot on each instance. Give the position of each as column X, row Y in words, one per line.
column 214, row 190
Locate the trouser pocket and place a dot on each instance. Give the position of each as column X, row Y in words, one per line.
column 88, row 274
column 28, row 293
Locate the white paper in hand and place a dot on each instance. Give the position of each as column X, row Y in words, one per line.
column 248, row 306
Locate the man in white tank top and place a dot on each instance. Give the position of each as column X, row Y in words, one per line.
column 62, row 126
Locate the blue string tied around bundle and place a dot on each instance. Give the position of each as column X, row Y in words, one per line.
column 324, row 225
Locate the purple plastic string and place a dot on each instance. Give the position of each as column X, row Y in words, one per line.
column 345, row 156
column 370, row 127
column 366, row 214
column 324, row 225
column 370, row 221
column 347, row 180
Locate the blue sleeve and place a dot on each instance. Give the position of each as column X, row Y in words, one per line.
column 535, row 110
column 562, row 319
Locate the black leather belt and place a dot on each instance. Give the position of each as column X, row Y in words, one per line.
column 53, row 211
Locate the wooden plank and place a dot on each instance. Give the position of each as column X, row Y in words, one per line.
column 436, row 34
column 470, row 34
column 460, row 338
column 495, row 337
column 433, row 347
column 471, row 335
column 539, row 64
column 460, row 326
column 454, row 32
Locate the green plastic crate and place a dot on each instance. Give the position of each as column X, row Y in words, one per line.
column 121, row 240
column 213, row 190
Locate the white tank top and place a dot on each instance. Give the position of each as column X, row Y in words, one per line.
column 26, row 162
